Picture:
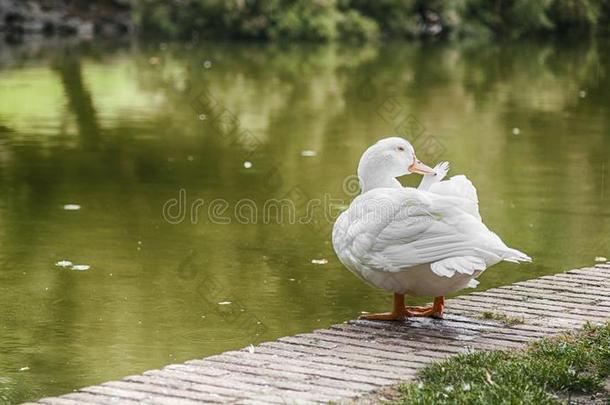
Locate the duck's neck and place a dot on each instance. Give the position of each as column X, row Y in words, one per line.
column 371, row 179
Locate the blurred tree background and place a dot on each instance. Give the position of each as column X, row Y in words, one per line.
column 309, row 20
column 327, row 20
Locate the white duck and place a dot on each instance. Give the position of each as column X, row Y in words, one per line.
column 428, row 241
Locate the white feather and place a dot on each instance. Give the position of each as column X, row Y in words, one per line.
column 392, row 230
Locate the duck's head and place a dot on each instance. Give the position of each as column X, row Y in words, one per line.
column 389, row 158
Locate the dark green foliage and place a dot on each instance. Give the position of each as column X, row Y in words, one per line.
column 327, row 20
column 396, row 18
column 207, row 18
column 307, row 20
column 569, row 364
column 604, row 15
column 519, row 18
column 280, row 20
column 575, row 14
column 510, row 18
column 353, row 26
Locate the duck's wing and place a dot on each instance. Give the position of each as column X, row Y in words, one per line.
column 459, row 186
column 429, row 228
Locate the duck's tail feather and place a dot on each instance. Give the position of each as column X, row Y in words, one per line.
column 515, row 256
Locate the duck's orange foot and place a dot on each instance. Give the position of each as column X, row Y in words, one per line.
column 432, row 311
column 423, row 311
column 398, row 312
column 385, row 316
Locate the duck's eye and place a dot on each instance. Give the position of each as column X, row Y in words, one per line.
column 401, row 149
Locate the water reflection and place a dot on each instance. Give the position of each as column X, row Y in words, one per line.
column 116, row 132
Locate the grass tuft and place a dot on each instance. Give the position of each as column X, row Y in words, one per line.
column 503, row 318
column 565, row 365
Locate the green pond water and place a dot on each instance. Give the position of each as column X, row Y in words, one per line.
column 152, row 164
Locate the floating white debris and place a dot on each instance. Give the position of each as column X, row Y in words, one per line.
column 291, row 279
column 202, row 117
column 72, row 207
column 319, row 261
column 516, row 131
column 24, row 368
column 224, row 303
column 247, row 164
column 582, row 94
column 207, row 64
column 309, row 153
column 601, row 259
column 81, row 267
column 251, row 349
column 64, row 263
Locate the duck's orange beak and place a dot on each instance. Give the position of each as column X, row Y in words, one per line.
column 420, row 168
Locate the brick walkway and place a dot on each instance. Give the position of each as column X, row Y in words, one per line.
column 358, row 357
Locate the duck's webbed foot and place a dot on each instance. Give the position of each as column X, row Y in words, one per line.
column 385, row 316
column 418, row 311
column 399, row 312
column 433, row 311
